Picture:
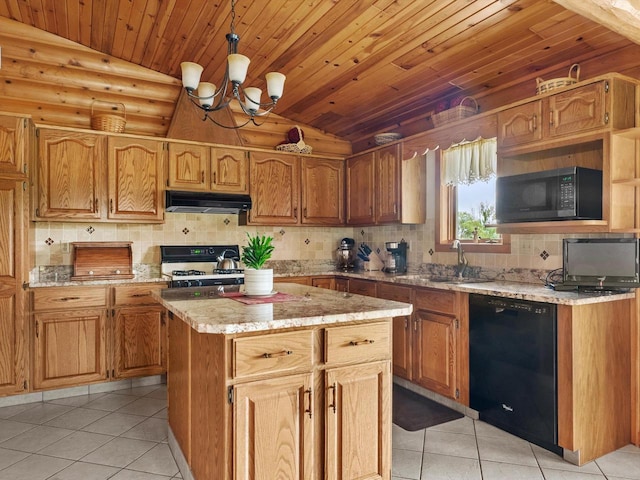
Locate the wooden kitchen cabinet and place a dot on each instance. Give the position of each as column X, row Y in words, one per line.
column 324, row 282
column 384, row 188
column 70, row 175
column 362, row 287
column 440, row 342
column 139, row 333
column 402, row 326
column 521, row 124
column 360, row 185
column 283, row 446
column 90, row 334
column 13, row 274
column 135, row 179
column 13, row 140
column 320, row 416
column 69, row 336
column 322, row 191
column 229, row 170
column 388, row 187
column 274, row 185
column 189, row 166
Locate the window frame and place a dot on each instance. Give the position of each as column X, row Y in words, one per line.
column 446, row 213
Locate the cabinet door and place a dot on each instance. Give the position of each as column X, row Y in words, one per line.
column 358, row 422
column 387, row 194
column 435, row 347
column 230, row 170
column 273, row 429
column 322, row 191
column 135, row 179
column 69, row 348
column 521, row 124
column 362, row 287
column 70, row 169
column 12, row 145
column 401, row 329
column 342, row 284
column 275, row 189
column 360, row 193
column 140, row 341
column 13, row 271
column 577, row 110
column 188, row 166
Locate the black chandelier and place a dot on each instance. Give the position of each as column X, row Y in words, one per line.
column 211, row 99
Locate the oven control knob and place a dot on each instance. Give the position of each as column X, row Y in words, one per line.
column 212, row 251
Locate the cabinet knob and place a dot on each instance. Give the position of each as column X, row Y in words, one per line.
column 117, row 272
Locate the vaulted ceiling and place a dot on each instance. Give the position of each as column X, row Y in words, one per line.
column 354, row 68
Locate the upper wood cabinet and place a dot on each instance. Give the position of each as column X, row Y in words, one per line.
column 13, row 131
column 383, row 188
column 84, row 176
column 200, row 167
column 322, row 191
column 290, row 190
column 70, row 175
column 360, row 186
column 189, row 166
column 274, row 181
column 229, row 170
column 602, row 104
column 135, row 179
column 387, row 192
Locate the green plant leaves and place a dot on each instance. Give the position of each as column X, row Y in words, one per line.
column 258, row 251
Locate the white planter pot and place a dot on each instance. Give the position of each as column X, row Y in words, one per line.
column 258, row 282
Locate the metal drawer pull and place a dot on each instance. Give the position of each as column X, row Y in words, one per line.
column 332, row 405
column 308, row 410
column 66, row 299
column 361, row 342
column 138, row 295
column 283, row 353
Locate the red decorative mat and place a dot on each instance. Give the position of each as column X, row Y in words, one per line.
column 277, row 297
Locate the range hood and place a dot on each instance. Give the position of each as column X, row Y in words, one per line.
column 206, row 202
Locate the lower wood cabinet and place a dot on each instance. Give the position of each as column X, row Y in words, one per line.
column 440, row 342
column 78, row 338
column 311, row 403
column 401, row 328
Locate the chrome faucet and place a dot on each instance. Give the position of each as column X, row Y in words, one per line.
column 462, row 260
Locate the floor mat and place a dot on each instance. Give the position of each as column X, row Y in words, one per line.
column 415, row 412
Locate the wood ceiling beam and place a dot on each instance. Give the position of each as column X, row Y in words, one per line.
column 621, row 16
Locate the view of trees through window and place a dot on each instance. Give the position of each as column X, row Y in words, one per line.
column 476, row 208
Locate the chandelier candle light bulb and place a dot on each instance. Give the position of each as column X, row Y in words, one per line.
column 209, row 99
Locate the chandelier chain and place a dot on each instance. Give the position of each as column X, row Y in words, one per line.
column 233, row 16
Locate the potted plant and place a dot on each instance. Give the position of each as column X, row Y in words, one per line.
column 257, row 280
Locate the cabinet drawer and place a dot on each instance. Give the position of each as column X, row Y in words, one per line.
column 436, row 300
column 362, row 287
column 136, row 294
column 68, row 297
column 357, row 343
column 396, row 293
column 272, row 353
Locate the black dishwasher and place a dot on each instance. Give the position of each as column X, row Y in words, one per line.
column 512, row 367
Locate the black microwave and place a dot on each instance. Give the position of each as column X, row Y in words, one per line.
column 572, row 193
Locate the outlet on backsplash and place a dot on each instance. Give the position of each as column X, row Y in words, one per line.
column 64, row 247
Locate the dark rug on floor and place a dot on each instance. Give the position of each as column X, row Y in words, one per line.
column 415, row 412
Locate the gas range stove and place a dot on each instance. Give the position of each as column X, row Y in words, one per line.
column 196, row 265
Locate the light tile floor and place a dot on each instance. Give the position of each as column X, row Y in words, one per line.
column 122, row 435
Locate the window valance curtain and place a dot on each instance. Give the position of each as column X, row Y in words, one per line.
column 469, row 161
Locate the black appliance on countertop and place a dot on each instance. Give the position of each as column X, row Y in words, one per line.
column 196, row 265
column 513, row 367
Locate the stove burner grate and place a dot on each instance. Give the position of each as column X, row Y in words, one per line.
column 185, row 273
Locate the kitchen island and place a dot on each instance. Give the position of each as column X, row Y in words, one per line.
column 297, row 387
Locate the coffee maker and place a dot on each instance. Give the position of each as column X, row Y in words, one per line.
column 346, row 260
column 396, row 261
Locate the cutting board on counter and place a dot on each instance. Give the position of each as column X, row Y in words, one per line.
column 102, row 260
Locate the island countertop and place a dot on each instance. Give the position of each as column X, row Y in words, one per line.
column 217, row 314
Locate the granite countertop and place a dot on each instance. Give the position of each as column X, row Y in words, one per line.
column 313, row 306
column 67, row 282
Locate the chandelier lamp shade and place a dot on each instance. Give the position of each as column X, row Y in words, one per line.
column 210, row 98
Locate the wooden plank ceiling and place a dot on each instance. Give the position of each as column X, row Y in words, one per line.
column 354, row 68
